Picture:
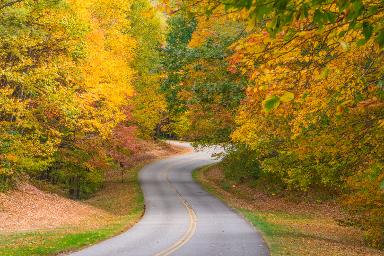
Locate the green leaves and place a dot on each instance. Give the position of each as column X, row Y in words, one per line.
column 367, row 30
column 380, row 38
column 263, row 10
column 318, row 18
column 382, row 185
column 273, row 102
column 281, row 4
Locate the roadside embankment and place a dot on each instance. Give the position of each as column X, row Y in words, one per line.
column 291, row 226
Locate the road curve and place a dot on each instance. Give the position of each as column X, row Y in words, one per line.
column 181, row 218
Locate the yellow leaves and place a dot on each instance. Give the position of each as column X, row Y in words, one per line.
column 287, row 97
column 381, row 123
column 107, row 75
column 314, row 103
column 199, row 37
column 324, row 73
column 328, row 75
column 248, row 131
column 182, row 125
column 67, row 82
column 344, row 45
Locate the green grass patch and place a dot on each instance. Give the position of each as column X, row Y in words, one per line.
column 49, row 242
column 268, row 230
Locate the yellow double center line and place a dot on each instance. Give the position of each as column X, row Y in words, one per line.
column 192, row 223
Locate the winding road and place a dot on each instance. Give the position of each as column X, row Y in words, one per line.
column 181, row 218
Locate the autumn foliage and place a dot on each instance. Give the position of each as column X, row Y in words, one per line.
column 310, row 114
column 66, row 85
column 293, row 89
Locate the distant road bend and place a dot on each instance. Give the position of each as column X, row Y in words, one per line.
column 181, row 218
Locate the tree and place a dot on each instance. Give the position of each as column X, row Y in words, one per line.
column 313, row 111
column 202, row 92
column 67, row 74
column 148, row 103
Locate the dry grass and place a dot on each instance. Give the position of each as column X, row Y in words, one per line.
column 291, row 227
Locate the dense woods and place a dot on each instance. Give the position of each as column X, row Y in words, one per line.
column 293, row 89
column 71, row 74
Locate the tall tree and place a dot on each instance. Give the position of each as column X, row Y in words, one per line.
column 147, row 27
column 202, row 91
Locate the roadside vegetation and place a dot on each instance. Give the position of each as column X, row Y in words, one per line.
column 293, row 90
column 290, row 225
column 77, row 83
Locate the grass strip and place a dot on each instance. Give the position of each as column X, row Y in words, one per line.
column 124, row 200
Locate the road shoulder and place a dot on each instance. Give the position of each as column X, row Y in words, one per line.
column 286, row 226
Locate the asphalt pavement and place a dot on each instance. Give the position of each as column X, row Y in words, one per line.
column 181, row 218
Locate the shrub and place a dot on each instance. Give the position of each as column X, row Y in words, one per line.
column 241, row 164
column 366, row 203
